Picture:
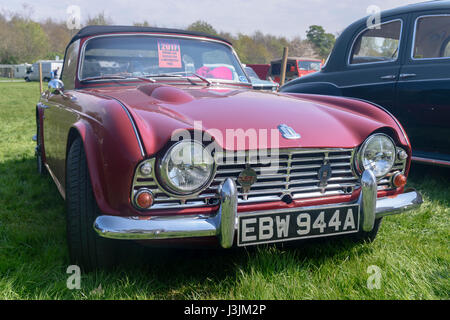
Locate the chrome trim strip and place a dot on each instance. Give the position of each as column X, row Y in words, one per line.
column 414, row 38
column 378, row 62
column 431, row 161
column 58, row 185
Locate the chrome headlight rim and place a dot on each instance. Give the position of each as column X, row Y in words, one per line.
column 161, row 176
column 359, row 160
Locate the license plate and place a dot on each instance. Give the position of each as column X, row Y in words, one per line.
column 303, row 223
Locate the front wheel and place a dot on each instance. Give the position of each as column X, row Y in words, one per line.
column 86, row 247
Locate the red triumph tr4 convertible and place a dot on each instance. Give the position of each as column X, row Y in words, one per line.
column 155, row 136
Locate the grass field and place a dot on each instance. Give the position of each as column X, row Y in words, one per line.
column 411, row 250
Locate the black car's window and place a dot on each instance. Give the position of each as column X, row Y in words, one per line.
column 432, row 37
column 70, row 65
column 137, row 55
column 377, row 44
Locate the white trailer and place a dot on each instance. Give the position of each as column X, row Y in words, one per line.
column 47, row 67
column 20, row 70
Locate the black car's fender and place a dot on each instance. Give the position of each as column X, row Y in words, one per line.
column 323, row 88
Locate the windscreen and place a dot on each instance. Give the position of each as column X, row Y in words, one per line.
column 140, row 55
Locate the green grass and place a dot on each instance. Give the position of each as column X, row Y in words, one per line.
column 412, row 250
column 3, row 79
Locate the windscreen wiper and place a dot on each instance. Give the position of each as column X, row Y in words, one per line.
column 184, row 76
column 117, row 77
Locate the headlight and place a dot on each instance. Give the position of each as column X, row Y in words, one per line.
column 377, row 154
column 186, row 167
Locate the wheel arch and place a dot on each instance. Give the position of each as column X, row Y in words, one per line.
column 83, row 130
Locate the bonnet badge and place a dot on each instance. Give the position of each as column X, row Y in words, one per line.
column 287, row 132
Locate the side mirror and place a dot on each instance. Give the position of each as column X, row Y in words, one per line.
column 56, row 86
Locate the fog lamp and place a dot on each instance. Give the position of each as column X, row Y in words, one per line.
column 144, row 198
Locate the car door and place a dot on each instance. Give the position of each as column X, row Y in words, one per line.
column 373, row 62
column 424, row 86
column 59, row 115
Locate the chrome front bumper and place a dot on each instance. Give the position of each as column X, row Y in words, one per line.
column 224, row 223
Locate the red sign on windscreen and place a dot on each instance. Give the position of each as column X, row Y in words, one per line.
column 169, row 54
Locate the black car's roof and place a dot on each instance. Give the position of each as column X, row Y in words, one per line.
column 97, row 30
column 421, row 6
column 338, row 57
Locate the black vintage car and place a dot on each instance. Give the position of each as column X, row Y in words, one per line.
column 401, row 63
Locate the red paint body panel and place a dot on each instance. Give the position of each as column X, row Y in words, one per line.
column 342, row 123
column 113, row 118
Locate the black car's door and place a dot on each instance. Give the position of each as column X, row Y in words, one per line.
column 423, row 90
column 373, row 62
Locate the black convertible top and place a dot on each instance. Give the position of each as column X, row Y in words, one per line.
column 96, row 30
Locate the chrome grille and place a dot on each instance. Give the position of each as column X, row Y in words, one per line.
column 296, row 176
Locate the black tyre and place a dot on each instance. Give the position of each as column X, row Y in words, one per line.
column 87, row 249
column 41, row 169
column 370, row 236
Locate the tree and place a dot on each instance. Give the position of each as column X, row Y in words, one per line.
column 142, row 24
column 58, row 36
column 99, row 20
column 250, row 51
column 323, row 41
column 202, row 26
column 302, row 48
column 23, row 40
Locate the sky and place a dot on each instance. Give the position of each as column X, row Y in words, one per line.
column 287, row 18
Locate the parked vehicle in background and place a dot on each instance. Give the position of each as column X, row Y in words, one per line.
column 262, row 70
column 403, row 65
column 21, row 70
column 259, row 84
column 295, row 68
column 48, row 66
column 155, row 135
column 17, row 71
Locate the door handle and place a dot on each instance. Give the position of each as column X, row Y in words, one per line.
column 407, row 75
column 389, row 77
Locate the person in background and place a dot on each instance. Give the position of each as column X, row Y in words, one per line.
column 55, row 73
